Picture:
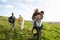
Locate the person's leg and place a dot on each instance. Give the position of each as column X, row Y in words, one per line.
column 35, row 33
column 22, row 26
column 38, row 33
column 41, row 29
column 12, row 26
column 32, row 29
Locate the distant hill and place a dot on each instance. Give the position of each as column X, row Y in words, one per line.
column 51, row 31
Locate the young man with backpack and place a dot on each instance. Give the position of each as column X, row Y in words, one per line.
column 12, row 21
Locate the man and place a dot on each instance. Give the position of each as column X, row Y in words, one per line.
column 39, row 24
column 21, row 22
column 12, row 21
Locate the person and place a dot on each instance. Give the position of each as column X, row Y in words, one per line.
column 39, row 25
column 12, row 21
column 34, row 17
column 21, row 22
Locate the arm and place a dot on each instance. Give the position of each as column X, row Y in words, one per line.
column 33, row 16
column 41, row 17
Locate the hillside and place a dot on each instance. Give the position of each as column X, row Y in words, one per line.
column 51, row 31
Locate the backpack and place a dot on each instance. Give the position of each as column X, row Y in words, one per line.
column 11, row 18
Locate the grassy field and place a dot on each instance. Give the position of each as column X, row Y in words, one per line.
column 51, row 31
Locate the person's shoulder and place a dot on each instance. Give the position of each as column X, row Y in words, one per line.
column 10, row 16
column 18, row 17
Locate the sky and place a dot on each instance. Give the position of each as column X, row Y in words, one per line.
column 26, row 8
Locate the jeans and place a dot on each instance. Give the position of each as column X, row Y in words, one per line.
column 35, row 24
column 38, row 32
column 12, row 26
column 38, row 29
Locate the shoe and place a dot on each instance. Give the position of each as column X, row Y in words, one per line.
column 12, row 29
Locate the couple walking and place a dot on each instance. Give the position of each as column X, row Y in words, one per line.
column 11, row 20
column 37, row 23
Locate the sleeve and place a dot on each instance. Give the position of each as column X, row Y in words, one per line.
column 33, row 16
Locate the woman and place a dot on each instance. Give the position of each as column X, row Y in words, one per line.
column 21, row 22
column 33, row 18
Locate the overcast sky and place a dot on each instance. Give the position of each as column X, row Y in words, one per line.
column 26, row 8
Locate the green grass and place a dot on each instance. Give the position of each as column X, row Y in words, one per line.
column 51, row 31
